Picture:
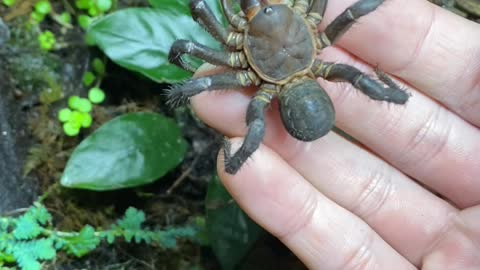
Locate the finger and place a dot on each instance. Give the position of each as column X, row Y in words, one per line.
column 365, row 185
column 408, row 217
column 354, row 179
column 432, row 49
column 422, row 138
column 459, row 248
column 322, row 234
column 440, row 151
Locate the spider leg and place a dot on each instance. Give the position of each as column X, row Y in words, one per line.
column 345, row 20
column 318, row 6
column 256, row 130
column 180, row 94
column 203, row 15
column 301, row 6
column 237, row 20
column 370, row 87
column 181, row 47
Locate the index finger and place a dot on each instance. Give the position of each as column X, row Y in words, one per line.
column 430, row 48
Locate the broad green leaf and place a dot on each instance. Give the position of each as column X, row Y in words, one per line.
column 130, row 150
column 183, row 5
column 231, row 232
column 139, row 39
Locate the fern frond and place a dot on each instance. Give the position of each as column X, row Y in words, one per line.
column 29, row 253
column 40, row 213
column 81, row 243
column 132, row 219
column 26, row 228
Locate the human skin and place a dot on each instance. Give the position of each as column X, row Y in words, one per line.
column 407, row 194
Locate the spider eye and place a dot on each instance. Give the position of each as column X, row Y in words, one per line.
column 268, row 10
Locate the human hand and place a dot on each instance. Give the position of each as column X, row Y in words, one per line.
column 407, row 196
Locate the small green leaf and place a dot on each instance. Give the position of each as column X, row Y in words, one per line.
column 40, row 213
column 231, row 232
column 139, row 39
column 83, row 243
column 84, row 4
column 104, row 5
column 65, row 18
column 130, row 150
column 47, row 40
column 37, row 17
column 64, row 114
column 96, row 95
column 84, row 105
column 87, row 120
column 132, row 220
column 84, row 21
column 71, row 129
column 9, row 3
column 98, row 66
column 88, row 78
column 73, row 102
column 43, row 7
column 26, row 228
column 44, row 249
column 93, row 11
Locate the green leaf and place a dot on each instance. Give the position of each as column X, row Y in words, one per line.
column 9, row 3
column 82, row 243
column 183, row 5
column 104, row 5
column 26, row 228
column 130, row 150
column 84, row 21
column 65, row 18
column 98, row 66
column 27, row 254
column 132, row 220
column 231, row 232
column 40, row 213
column 43, row 7
column 96, row 95
column 139, row 39
column 83, row 4
column 88, row 78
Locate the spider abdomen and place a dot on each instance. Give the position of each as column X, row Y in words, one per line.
column 279, row 44
column 306, row 110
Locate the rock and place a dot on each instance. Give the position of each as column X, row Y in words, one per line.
column 4, row 32
column 15, row 190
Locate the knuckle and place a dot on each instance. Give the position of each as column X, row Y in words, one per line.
column 428, row 139
column 302, row 219
column 361, row 257
column 374, row 194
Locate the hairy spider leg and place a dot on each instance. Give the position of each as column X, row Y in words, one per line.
column 237, row 20
column 370, row 87
column 318, row 6
column 256, row 129
column 301, row 6
column 223, row 58
column 204, row 16
column 180, row 94
column 345, row 20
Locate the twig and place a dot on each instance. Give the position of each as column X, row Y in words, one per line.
column 183, row 176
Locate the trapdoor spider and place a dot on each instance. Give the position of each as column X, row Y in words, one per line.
column 273, row 45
